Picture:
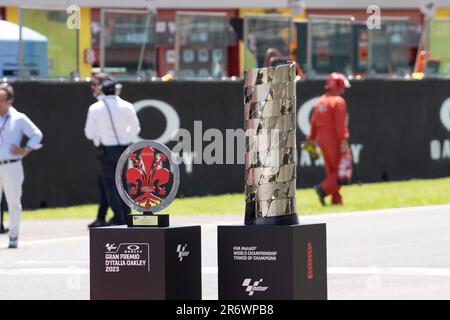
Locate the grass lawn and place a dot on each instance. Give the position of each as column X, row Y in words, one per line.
column 356, row 197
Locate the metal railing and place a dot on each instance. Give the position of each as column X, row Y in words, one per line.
column 389, row 48
column 265, row 32
column 330, row 45
column 47, row 49
column 201, row 45
column 127, row 43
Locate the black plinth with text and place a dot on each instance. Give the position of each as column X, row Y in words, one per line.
column 272, row 262
column 145, row 263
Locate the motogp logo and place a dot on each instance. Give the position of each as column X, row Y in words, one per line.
column 182, row 252
column 256, row 286
column 110, row 247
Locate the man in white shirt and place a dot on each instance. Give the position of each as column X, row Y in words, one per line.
column 112, row 122
column 103, row 203
column 13, row 126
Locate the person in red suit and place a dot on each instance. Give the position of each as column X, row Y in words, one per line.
column 329, row 129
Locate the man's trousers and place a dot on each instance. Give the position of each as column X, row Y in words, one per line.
column 11, row 180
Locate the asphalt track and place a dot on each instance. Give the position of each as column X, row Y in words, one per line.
column 387, row 254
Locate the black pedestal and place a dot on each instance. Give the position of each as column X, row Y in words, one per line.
column 145, row 263
column 272, row 262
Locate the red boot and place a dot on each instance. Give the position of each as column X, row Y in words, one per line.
column 336, row 199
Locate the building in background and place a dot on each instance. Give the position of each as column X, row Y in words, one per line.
column 72, row 52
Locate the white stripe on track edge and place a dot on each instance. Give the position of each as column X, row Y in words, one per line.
column 306, row 218
column 212, row 270
column 27, row 243
column 391, row 271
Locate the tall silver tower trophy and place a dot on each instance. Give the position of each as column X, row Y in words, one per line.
column 271, row 256
column 270, row 160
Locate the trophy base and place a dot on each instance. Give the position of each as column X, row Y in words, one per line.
column 290, row 219
column 145, row 263
column 269, row 262
column 147, row 220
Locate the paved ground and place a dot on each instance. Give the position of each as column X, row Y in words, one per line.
column 389, row 254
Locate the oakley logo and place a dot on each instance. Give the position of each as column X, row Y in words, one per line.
column 133, row 247
column 445, row 114
column 304, row 115
column 169, row 113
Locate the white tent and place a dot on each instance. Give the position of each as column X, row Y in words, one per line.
column 10, row 32
column 34, row 51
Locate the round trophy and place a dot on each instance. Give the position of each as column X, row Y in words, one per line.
column 147, row 179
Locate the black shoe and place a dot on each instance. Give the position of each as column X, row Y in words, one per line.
column 321, row 194
column 98, row 223
column 13, row 243
column 112, row 222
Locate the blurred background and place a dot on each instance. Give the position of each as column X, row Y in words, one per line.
column 183, row 61
column 209, row 39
